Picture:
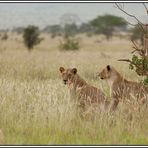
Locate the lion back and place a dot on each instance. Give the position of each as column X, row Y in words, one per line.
column 91, row 95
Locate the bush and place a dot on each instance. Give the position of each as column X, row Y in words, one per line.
column 31, row 37
column 4, row 37
column 69, row 44
column 140, row 66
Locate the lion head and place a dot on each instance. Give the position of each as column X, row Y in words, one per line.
column 105, row 73
column 68, row 75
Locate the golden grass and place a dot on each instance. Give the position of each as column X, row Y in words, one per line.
column 35, row 106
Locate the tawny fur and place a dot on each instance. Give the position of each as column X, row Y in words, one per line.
column 80, row 90
column 122, row 88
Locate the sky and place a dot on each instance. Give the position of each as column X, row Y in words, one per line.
column 43, row 14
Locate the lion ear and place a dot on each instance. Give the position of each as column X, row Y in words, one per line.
column 108, row 67
column 61, row 69
column 74, row 70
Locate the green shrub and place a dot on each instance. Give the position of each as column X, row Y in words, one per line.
column 140, row 66
column 31, row 37
column 69, row 44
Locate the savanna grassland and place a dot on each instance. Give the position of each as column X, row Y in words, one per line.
column 34, row 103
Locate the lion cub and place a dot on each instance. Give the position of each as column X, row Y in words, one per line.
column 80, row 90
column 122, row 88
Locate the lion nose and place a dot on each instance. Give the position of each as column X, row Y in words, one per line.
column 65, row 81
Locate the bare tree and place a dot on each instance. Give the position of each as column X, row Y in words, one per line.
column 139, row 62
column 69, row 23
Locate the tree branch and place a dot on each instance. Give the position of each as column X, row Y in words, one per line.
column 129, row 14
column 126, row 60
column 145, row 8
column 140, row 51
column 143, row 52
column 139, row 22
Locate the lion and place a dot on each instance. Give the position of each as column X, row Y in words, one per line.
column 85, row 94
column 122, row 88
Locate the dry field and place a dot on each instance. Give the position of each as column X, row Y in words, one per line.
column 34, row 103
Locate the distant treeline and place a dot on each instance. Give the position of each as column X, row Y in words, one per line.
column 107, row 25
column 101, row 24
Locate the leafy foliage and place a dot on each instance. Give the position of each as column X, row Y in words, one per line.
column 69, row 44
column 145, row 82
column 31, row 37
column 140, row 66
column 106, row 24
column 70, row 41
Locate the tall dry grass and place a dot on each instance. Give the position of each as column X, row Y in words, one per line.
column 35, row 107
